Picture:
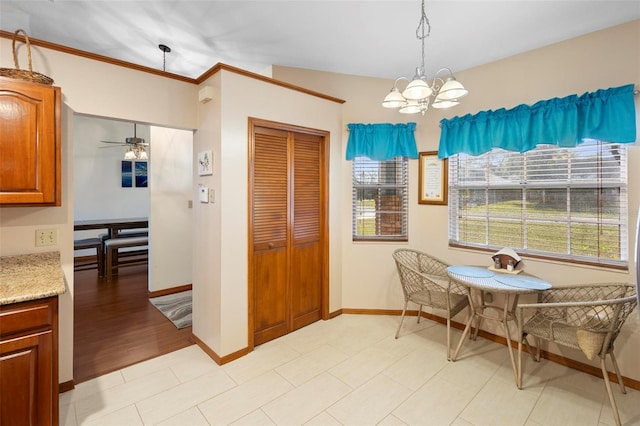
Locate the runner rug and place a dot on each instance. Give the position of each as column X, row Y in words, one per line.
column 176, row 307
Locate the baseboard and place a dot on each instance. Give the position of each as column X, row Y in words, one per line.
column 558, row 359
column 335, row 313
column 171, row 290
column 66, row 386
column 217, row 358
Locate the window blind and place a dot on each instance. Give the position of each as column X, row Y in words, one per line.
column 380, row 199
column 561, row 203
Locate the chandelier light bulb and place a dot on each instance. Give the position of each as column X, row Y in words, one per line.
column 394, row 99
column 452, row 89
column 442, row 104
column 416, row 90
column 412, row 107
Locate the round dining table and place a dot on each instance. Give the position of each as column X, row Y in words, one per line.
column 484, row 281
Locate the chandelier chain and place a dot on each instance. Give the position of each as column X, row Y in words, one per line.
column 422, row 32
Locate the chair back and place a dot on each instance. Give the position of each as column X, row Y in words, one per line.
column 598, row 311
column 419, row 271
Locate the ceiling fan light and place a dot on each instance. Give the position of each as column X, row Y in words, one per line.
column 417, row 89
column 451, row 89
column 142, row 155
column 394, row 99
column 442, row 103
column 130, row 155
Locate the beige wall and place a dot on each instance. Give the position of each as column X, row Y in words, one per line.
column 220, row 243
column 95, row 88
column 361, row 274
column 603, row 59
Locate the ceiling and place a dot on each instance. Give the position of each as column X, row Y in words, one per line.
column 368, row 38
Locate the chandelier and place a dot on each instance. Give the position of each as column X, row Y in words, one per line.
column 419, row 92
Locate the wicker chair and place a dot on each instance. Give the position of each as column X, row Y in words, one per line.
column 425, row 282
column 586, row 317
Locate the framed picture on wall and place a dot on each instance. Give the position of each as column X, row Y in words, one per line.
column 433, row 179
column 205, row 163
column 141, row 174
column 127, row 174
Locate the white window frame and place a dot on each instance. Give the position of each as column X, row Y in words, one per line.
column 367, row 183
column 589, row 167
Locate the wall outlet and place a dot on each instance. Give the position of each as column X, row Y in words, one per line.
column 46, row 237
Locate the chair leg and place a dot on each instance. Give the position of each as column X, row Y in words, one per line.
column 466, row 330
column 474, row 334
column 519, row 378
column 404, row 310
column 448, row 337
column 525, row 340
column 614, row 407
column 419, row 313
column 617, row 370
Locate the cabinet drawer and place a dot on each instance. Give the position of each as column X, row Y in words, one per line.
column 25, row 316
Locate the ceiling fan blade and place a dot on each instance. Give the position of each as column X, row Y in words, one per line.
column 118, row 143
column 111, row 146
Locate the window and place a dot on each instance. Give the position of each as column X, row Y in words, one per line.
column 380, row 199
column 551, row 202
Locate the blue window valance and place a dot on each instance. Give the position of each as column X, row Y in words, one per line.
column 382, row 141
column 606, row 114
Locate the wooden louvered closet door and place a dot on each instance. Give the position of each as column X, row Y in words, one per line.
column 306, row 255
column 287, row 231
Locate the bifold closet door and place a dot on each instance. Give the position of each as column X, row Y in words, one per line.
column 270, row 226
column 287, row 232
column 306, row 248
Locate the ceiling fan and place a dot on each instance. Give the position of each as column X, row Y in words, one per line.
column 136, row 146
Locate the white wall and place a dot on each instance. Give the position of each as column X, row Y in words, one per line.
column 603, row 59
column 98, row 192
column 220, row 243
column 170, row 218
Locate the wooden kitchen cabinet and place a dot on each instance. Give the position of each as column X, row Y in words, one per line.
column 30, row 155
column 29, row 363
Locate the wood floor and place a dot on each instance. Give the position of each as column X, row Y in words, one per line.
column 115, row 325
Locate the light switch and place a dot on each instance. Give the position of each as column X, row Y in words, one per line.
column 203, row 194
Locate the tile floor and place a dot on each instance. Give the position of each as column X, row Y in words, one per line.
column 347, row 371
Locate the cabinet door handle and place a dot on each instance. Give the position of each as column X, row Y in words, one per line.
column 270, row 245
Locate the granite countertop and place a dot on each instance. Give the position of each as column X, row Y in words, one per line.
column 30, row 276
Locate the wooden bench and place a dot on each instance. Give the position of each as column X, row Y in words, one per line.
column 90, row 243
column 113, row 255
column 126, row 233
